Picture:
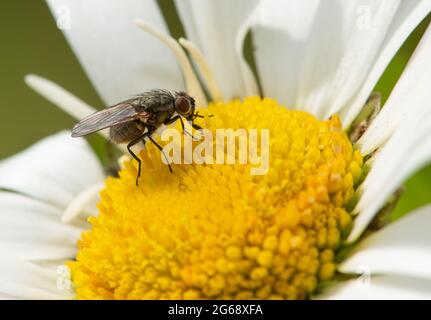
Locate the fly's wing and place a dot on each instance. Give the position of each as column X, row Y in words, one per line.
column 106, row 118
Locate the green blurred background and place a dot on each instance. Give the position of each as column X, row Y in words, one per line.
column 31, row 43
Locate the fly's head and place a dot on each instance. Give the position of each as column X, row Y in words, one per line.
column 184, row 105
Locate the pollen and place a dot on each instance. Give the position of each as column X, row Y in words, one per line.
column 213, row 231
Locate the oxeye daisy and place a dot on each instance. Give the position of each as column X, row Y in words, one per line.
column 304, row 229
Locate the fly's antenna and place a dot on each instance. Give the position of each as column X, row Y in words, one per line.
column 197, row 115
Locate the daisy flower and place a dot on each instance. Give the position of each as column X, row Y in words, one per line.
column 303, row 230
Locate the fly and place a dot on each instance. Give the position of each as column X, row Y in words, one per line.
column 135, row 119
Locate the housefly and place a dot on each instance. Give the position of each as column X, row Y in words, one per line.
column 135, row 119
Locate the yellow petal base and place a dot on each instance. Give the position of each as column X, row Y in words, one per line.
column 215, row 231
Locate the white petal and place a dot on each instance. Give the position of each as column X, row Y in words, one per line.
column 379, row 288
column 25, row 280
column 401, row 248
column 408, row 16
column 192, row 83
column 330, row 57
column 410, row 95
column 63, row 99
column 54, row 170
column 407, row 150
column 59, row 96
column 407, row 116
column 218, row 28
column 325, row 50
column 85, row 202
column 119, row 59
column 33, row 230
column 206, row 72
column 280, row 33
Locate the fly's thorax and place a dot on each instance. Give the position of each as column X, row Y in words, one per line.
column 155, row 101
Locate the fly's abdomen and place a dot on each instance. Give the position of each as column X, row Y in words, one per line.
column 124, row 132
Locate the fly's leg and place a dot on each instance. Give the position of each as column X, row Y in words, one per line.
column 161, row 150
column 195, row 126
column 197, row 115
column 129, row 148
column 172, row 120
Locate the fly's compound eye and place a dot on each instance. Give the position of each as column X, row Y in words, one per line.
column 182, row 105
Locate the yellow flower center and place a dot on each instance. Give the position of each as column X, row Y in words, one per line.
column 215, row 231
